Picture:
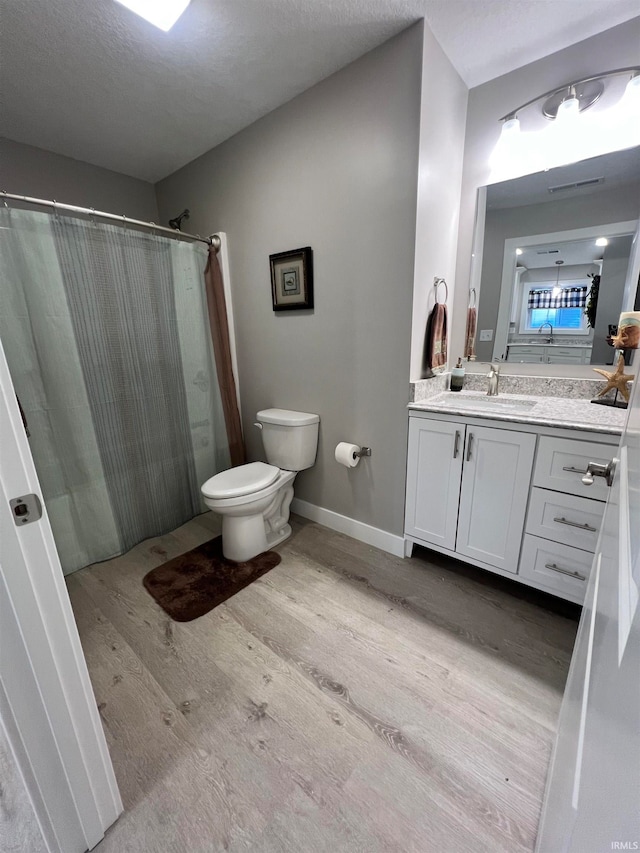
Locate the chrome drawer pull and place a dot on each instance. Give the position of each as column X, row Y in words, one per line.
column 456, row 444
column 571, row 574
column 576, row 524
column 573, row 470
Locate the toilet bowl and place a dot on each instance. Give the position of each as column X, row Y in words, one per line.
column 254, row 500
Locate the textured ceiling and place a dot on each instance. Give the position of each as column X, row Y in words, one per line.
column 89, row 79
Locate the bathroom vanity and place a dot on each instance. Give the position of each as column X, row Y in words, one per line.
column 497, row 482
column 535, row 353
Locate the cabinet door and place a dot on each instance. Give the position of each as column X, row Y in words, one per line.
column 433, row 480
column 493, row 500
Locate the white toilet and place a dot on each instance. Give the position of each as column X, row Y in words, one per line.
column 254, row 499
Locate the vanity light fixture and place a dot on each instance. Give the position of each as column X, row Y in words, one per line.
column 571, row 135
column 602, row 241
column 161, row 13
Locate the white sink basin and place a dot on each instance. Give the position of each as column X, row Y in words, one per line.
column 482, row 401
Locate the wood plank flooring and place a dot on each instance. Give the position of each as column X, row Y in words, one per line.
column 346, row 701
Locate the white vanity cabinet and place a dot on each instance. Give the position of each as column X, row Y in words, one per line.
column 467, row 489
column 551, row 354
column 507, row 497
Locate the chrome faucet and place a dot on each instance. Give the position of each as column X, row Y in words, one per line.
column 494, row 377
column 540, row 328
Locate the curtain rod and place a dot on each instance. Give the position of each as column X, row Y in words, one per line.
column 214, row 240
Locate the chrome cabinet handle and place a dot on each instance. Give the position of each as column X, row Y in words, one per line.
column 469, row 443
column 596, row 469
column 576, row 524
column 573, row 470
column 456, row 444
column 571, row 574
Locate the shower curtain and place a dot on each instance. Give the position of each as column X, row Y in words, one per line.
column 107, row 338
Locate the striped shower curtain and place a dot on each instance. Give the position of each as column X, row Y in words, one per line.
column 107, row 338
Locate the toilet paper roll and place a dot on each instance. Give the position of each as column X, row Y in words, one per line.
column 346, row 454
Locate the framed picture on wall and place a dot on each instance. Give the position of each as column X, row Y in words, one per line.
column 292, row 279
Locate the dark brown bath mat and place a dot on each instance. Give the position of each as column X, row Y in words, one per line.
column 194, row 583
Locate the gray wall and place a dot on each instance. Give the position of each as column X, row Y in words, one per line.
column 26, row 170
column 335, row 169
column 618, row 205
column 614, row 275
column 616, row 47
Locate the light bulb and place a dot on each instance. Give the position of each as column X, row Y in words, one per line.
column 518, row 251
column 602, row 241
column 568, row 110
column 633, row 88
column 506, row 150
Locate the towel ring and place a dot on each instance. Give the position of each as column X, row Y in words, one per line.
column 473, row 293
column 436, row 283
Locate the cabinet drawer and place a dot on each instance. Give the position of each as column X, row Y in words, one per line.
column 566, row 352
column 524, row 356
column 571, row 358
column 564, row 518
column 560, row 569
column 561, row 463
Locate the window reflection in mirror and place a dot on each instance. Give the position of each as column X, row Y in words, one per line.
column 555, row 264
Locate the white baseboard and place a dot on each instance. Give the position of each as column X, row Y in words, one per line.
column 388, row 542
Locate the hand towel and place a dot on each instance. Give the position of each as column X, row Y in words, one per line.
column 470, row 334
column 435, row 343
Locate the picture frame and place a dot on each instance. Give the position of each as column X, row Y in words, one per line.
column 292, row 279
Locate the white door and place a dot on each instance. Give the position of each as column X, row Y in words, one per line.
column 592, row 802
column 493, row 501
column 433, row 480
column 47, row 705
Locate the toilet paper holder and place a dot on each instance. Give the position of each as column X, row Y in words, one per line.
column 364, row 451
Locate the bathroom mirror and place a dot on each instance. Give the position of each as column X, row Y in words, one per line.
column 551, row 264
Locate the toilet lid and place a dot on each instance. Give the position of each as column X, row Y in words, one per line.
column 239, row 481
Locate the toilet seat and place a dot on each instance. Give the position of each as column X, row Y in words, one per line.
column 239, row 481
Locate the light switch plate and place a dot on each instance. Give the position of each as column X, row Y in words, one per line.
column 486, row 334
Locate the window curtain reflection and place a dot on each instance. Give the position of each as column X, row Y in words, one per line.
column 565, row 297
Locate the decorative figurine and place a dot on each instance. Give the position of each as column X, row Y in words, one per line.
column 616, row 380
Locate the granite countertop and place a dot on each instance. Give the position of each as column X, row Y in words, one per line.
column 561, row 412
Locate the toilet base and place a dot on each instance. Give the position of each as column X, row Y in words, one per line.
column 243, row 537
column 246, row 536
column 275, row 538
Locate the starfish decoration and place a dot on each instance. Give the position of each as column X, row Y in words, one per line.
column 617, row 379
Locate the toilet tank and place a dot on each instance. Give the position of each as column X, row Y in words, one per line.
column 290, row 438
